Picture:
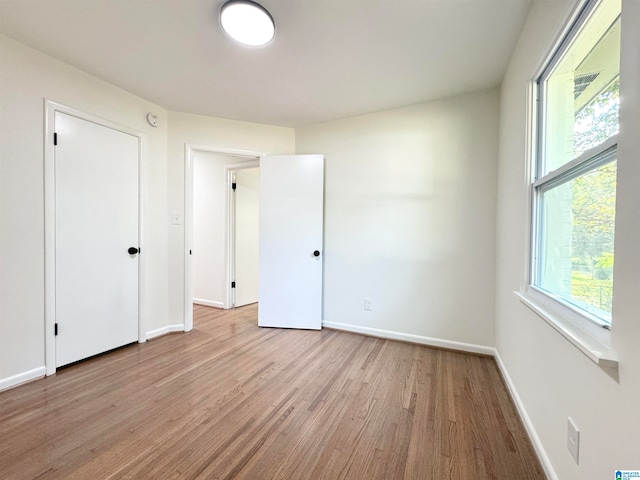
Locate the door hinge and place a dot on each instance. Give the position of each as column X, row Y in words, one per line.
column 233, row 186
column 233, row 284
column 55, row 329
column 55, row 138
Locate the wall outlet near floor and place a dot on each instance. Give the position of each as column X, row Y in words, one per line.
column 368, row 304
column 573, row 439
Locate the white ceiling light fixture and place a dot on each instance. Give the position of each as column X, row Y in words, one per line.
column 247, row 22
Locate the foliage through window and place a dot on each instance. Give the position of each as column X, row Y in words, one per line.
column 575, row 178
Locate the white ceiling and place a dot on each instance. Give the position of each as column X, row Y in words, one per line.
column 330, row 58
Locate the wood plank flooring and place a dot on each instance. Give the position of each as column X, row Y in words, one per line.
column 231, row 400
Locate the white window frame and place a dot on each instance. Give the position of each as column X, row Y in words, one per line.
column 586, row 331
column 588, row 161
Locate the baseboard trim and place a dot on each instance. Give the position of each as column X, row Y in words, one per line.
column 164, row 330
column 407, row 337
column 23, row 377
column 528, row 424
column 208, row 303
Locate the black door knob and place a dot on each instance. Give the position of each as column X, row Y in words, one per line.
column 316, row 253
column 132, row 250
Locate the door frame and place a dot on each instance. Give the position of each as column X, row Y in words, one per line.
column 189, row 151
column 50, row 109
column 230, row 222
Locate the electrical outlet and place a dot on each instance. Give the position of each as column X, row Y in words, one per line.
column 368, row 304
column 573, row 439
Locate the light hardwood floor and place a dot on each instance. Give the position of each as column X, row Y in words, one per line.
column 231, row 400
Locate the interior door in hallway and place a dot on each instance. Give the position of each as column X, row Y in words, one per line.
column 96, row 238
column 247, row 188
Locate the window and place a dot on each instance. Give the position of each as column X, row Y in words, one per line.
column 574, row 183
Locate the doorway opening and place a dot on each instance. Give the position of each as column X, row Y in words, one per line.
column 220, row 221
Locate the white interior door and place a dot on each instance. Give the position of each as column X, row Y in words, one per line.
column 246, row 235
column 96, row 222
column 291, row 220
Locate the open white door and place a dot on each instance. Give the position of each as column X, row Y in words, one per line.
column 96, row 238
column 246, row 236
column 291, row 221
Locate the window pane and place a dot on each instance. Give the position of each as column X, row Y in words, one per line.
column 576, row 240
column 597, row 120
column 581, row 94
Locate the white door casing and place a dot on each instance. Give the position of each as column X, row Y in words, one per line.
column 96, row 213
column 291, row 233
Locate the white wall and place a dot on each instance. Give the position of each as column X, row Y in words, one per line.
column 216, row 133
column 553, row 379
column 210, row 229
column 27, row 77
column 410, row 218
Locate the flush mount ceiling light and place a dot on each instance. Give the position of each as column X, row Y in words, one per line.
column 247, row 22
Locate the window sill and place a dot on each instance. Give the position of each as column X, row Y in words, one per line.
column 594, row 348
